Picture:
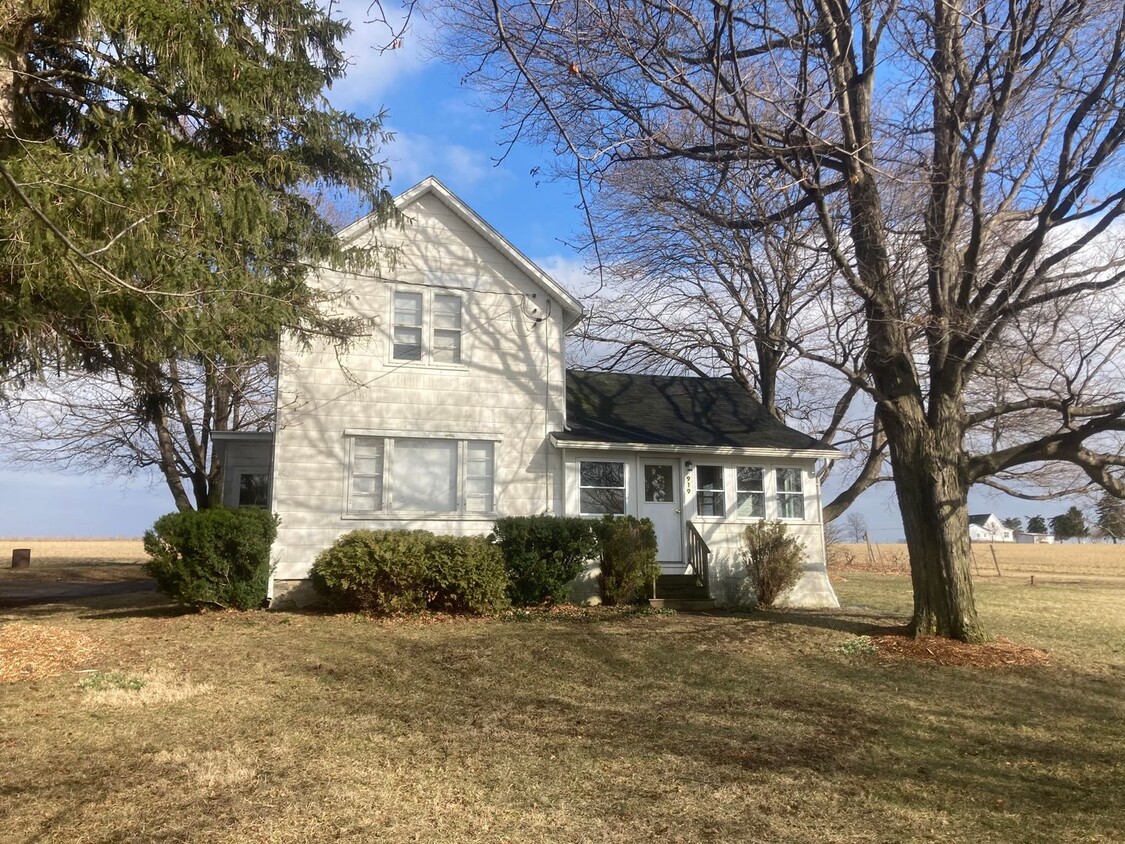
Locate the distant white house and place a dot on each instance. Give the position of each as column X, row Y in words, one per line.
column 985, row 527
column 1024, row 537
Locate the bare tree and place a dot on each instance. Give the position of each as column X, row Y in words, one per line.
column 141, row 418
column 857, row 525
column 960, row 164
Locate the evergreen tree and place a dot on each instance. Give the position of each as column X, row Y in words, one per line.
column 1013, row 523
column 1036, row 524
column 1111, row 517
column 159, row 166
column 1070, row 525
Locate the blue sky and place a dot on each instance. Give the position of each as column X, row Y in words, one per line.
column 442, row 129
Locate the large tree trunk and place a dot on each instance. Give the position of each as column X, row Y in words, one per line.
column 933, row 500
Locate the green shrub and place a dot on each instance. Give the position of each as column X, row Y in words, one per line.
column 376, row 571
column 773, row 559
column 627, row 547
column 543, row 554
column 389, row 572
column 217, row 557
column 466, row 574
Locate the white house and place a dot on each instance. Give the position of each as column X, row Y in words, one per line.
column 985, row 527
column 458, row 408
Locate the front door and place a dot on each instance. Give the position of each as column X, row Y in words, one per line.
column 660, row 502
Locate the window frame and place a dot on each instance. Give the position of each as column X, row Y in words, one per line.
column 387, row 507
column 700, row 491
column 624, row 488
column 763, row 492
column 779, row 494
column 428, row 327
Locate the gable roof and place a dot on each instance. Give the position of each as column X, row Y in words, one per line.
column 660, row 410
column 432, row 186
column 980, row 518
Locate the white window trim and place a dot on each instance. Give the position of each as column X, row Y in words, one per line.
column 776, row 494
column 427, row 360
column 626, row 477
column 387, row 511
column 764, row 492
column 726, row 476
column 232, row 480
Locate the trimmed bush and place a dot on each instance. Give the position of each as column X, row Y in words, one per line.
column 389, row 572
column 466, row 575
column 543, row 554
column 217, row 557
column 627, row 547
column 774, row 560
column 375, row 571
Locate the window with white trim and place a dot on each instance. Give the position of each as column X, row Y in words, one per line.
column 426, row 327
column 254, row 489
column 420, row 475
column 710, row 497
column 790, row 494
column 601, row 487
column 751, row 492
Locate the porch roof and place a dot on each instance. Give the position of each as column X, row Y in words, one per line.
column 661, row 410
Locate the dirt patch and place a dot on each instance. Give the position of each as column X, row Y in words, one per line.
column 996, row 654
column 35, row 651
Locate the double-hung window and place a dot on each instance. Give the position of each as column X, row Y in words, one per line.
column 601, row 487
column 751, row 492
column 420, row 475
column 790, row 494
column 427, row 327
column 710, row 497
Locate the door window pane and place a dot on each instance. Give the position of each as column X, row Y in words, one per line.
column 425, row 475
column 751, row 492
column 710, row 498
column 601, row 487
column 658, row 484
column 790, row 494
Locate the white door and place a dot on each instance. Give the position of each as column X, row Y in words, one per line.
column 660, row 502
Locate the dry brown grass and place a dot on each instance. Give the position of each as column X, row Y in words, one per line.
column 56, row 560
column 588, row 727
column 1085, row 560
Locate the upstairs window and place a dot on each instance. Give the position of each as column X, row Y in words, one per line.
column 751, row 492
column 710, row 497
column 427, row 327
column 790, row 494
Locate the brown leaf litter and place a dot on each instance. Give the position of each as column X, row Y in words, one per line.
column 999, row 653
column 36, row 651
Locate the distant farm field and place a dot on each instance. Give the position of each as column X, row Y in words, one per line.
column 74, row 560
column 1086, row 560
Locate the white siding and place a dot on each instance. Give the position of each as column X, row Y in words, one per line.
column 509, row 388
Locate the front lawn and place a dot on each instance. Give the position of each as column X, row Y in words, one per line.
column 588, row 727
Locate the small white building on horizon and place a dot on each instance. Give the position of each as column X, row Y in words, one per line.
column 986, row 527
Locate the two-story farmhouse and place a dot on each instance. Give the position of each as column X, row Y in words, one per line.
column 458, row 408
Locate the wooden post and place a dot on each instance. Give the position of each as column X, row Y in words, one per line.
column 973, row 557
column 870, row 553
column 992, row 548
column 21, row 558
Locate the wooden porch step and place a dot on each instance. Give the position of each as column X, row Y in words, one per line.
column 680, row 587
column 682, row 604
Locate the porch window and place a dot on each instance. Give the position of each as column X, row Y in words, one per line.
column 415, row 475
column 601, row 487
column 790, row 494
column 710, row 499
column 751, row 492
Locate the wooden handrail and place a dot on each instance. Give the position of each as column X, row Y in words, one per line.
column 699, row 557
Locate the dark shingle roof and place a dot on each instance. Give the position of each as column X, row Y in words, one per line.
column 979, row 519
column 613, row 407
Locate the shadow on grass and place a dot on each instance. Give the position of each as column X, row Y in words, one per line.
column 846, row 621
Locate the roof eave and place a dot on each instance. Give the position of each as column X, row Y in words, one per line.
column 719, row 450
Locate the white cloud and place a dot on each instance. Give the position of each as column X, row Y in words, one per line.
column 373, row 73
column 414, row 157
column 572, row 273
